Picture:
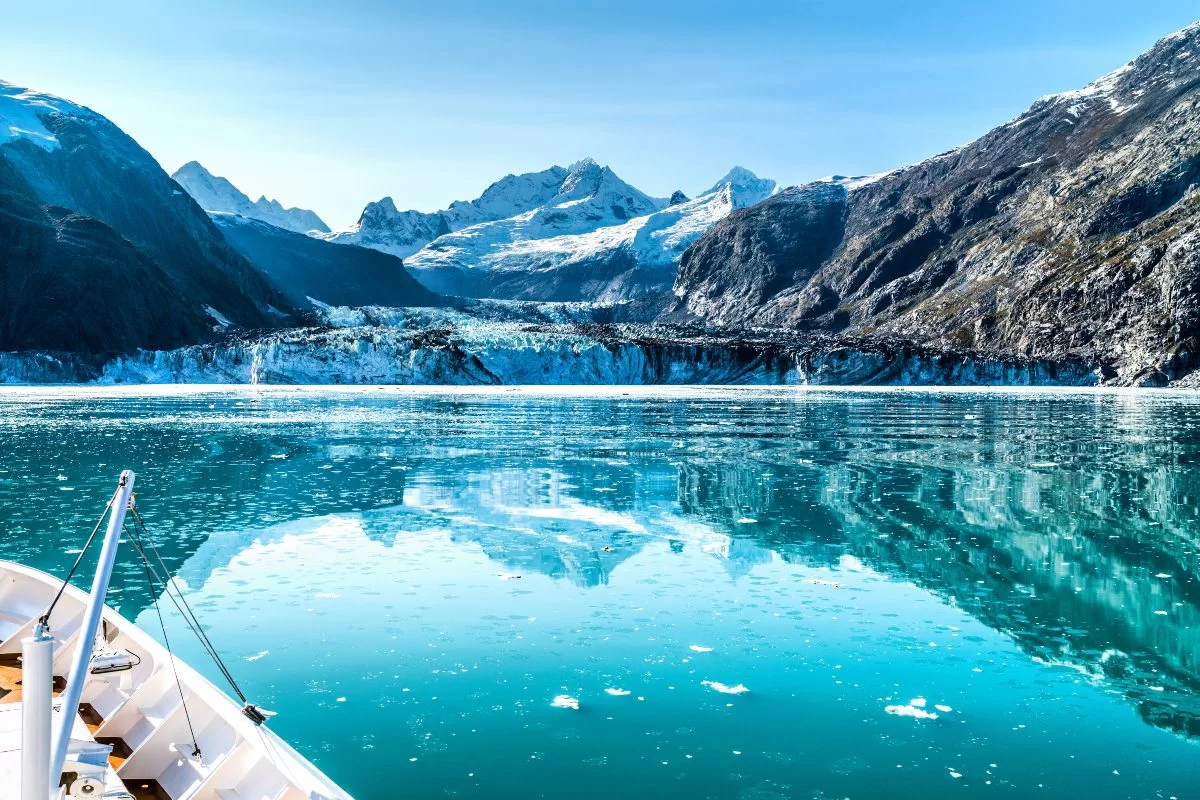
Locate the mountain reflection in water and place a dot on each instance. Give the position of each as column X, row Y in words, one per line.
column 1065, row 521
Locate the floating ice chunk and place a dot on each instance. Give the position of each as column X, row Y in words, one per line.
column 327, row 595
column 943, row 709
column 700, row 648
column 507, row 576
column 341, row 699
column 1161, row 613
column 747, row 521
column 1163, row 575
column 919, row 702
column 259, row 655
column 617, row 692
column 954, row 774
column 910, row 710
column 724, row 689
column 565, row 701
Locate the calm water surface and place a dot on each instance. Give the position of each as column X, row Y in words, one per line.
column 410, row 579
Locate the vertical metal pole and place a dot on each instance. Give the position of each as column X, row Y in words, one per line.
column 37, row 688
column 91, row 624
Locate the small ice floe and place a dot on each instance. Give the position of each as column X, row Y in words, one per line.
column 507, row 576
column 327, row 595
column 615, row 692
column 341, row 700
column 942, row 708
column 915, row 709
column 1161, row 613
column 699, row 648
column 747, row 521
column 724, row 689
column 565, row 701
column 1163, row 575
column 259, row 655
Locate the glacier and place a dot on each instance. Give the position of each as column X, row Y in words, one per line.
column 496, row 343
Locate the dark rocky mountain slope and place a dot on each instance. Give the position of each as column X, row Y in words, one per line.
column 100, row 251
column 309, row 269
column 1069, row 232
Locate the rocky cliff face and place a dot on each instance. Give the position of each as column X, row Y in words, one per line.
column 1069, row 232
column 101, row 252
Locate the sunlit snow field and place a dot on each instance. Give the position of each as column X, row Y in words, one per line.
column 748, row 593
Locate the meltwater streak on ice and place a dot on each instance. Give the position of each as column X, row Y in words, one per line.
column 1018, row 564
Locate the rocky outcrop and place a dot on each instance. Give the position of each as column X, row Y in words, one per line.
column 1066, row 233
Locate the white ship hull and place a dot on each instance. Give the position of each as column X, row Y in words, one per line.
column 140, row 712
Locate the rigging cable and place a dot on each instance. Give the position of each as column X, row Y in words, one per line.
column 44, row 620
column 256, row 715
column 167, row 642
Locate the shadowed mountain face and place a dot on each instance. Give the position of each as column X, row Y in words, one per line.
column 309, row 269
column 1068, row 231
column 103, row 253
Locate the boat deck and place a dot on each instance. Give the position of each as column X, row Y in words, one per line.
column 10, row 679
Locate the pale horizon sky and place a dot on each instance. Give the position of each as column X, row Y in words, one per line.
column 429, row 103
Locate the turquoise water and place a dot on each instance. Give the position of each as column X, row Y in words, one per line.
column 411, row 579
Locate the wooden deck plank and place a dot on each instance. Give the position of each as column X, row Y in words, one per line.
column 10, row 679
column 120, row 750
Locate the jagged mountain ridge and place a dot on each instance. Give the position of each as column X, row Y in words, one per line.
column 102, row 252
column 219, row 195
column 597, row 239
column 1067, row 232
column 382, row 226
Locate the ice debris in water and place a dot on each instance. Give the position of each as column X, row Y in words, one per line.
column 943, row 709
column 258, row 655
column 617, row 692
column 914, row 709
column 700, row 648
column 723, row 689
column 507, row 576
column 565, row 701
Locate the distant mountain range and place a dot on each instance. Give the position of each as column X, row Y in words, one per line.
column 216, row 194
column 596, row 238
column 1066, row 236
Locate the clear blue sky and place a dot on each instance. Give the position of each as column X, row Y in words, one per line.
column 330, row 105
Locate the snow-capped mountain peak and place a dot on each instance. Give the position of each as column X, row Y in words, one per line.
column 22, row 114
column 745, row 187
column 216, row 194
column 601, row 188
